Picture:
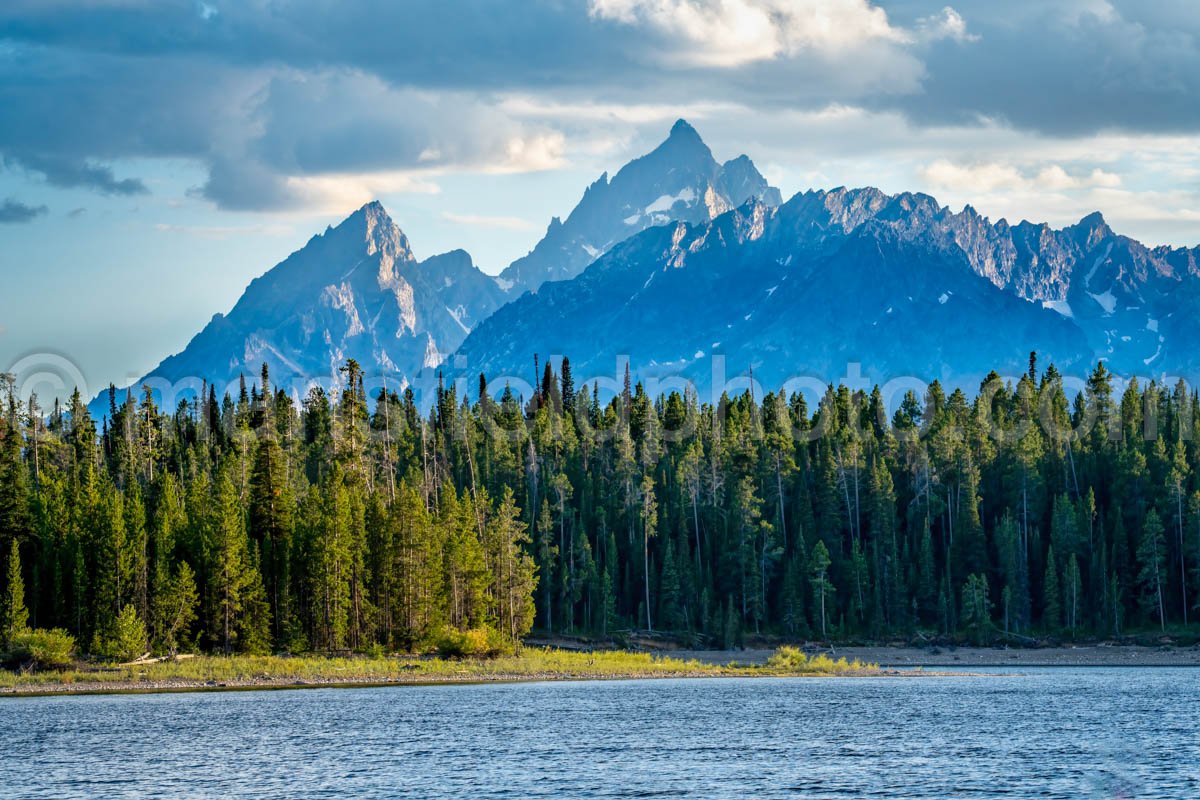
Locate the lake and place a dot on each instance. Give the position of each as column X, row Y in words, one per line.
column 1045, row 732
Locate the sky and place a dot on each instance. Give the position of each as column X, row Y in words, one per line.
column 156, row 155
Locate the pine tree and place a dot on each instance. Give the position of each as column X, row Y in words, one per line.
column 270, row 525
column 1178, row 478
column 547, row 553
column 1015, row 570
column 15, row 520
column 926, row 590
column 568, row 386
column 1072, row 593
column 792, row 605
column 227, row 566
column 175, row 609
column 822, row 588
column 608, row 604
column 976, row 608
column 254, row 622
column 649, row 529
column 1051, row 595
column 731, row 630
column 513, row 571
column 14, row 616
column 1151, row 557
column 129, row 640
column 330, row 556
column 969, row 547
column 670, row 600
column 111, row 572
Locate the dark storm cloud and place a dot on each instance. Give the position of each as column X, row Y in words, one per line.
column 456, row 43
column 263, row 92
column 15, row 211
column 1066, row 68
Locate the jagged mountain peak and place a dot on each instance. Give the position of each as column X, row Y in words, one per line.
column 679, row 180
column 682, row 150
column 1090, row 230
column 355, row 291
column 683, row 138
column 682, row 128
column 373, row 225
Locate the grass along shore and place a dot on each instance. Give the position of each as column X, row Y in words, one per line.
column 531, row 664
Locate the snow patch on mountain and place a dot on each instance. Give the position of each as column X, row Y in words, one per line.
column 1106, row 300
column 1061, row 306
column 666, row 202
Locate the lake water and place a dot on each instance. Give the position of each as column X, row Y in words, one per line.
column 1048, row 733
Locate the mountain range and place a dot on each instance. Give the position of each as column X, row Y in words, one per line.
column 898, row 284
column 678, row 258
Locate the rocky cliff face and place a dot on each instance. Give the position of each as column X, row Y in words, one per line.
column 1126, row 298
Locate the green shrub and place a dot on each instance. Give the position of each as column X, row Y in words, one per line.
column 126, row 640
column 45, row 649
column 792, row 660
column 788, row 659
column 485, row 642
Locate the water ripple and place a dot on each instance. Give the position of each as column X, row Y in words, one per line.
column 1062, row 733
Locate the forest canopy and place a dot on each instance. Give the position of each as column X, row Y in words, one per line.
column 253, row 523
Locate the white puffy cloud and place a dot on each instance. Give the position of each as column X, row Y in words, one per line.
column 972, row 177
column 992, row 176
column 730, row 33
column 947, row 24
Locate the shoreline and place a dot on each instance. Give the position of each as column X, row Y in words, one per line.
column 267, row 684
column 216, row 674
column 1093, row 655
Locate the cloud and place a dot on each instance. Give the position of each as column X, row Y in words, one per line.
column 526, row 105
column 984, row 178
column 305, row 104
column 482, row 221
column 66, row 173
column 14, row 211
column 947, row 24
column 335, row 193
column 308, row 139
column 1066, row 68
column 974, row 178
column 730, row 33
